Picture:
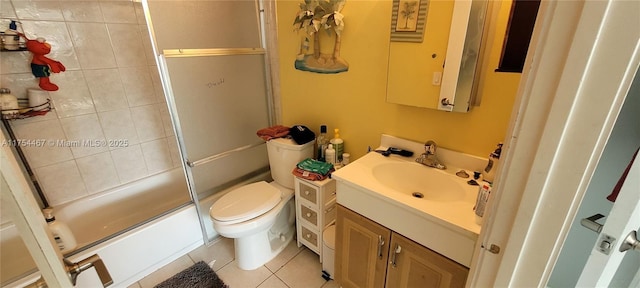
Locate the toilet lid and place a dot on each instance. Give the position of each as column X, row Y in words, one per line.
column 245, row 203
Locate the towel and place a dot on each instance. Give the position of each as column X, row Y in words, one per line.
column 308, row 175
column 314, row 170
column 269, row 133
column 315, row 166
column 614, row 194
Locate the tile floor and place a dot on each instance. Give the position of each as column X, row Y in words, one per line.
column 294, row 267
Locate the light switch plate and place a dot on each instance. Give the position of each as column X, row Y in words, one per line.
column 437, row 78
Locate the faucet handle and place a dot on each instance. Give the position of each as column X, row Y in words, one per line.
column 430, row 147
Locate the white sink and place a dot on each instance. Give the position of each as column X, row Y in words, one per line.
column 381, row 189
column 419, row 181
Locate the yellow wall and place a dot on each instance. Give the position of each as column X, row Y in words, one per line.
column 354, row 101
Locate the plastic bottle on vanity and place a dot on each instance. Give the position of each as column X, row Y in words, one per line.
column 338, row 144
column 481, row 201
column 330, row 154
column 61, row 232
column 321, row 143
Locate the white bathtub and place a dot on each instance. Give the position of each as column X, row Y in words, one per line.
column 129, row 255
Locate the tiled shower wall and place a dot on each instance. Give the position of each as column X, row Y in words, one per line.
column 111, row 90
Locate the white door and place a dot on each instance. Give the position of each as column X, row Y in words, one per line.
column 585, row 54
column 28, row 218
column 29, row 221
column 623, row 221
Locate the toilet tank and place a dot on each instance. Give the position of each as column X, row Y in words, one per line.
column 284, row 154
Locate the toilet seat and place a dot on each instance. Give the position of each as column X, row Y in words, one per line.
column 245, row 203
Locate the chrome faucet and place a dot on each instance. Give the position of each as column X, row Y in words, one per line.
column 428, row 158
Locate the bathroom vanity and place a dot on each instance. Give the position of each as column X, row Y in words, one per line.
column 371, row 255
column 400, row 223
column 315, row 210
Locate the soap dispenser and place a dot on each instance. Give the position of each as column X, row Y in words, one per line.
column 490, row 170
column 11, row 37
column 61, row 232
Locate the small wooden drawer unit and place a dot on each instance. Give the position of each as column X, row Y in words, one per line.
column 315, row 210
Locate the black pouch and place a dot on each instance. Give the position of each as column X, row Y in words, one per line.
column 301, row 134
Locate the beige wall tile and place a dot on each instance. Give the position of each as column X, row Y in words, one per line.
column 156, row 155
column 92, row 45
column 129, row 163
column 61, row 182
column 106, row 89
column 50, row 152
column 98, row 172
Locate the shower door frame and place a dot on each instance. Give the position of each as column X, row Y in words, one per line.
column 266, row 22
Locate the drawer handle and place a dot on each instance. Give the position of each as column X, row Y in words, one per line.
column 329, row 209
column 380, row 245
column 308, row 215
column 395, row 255
column 306, row 192
column 308, row 236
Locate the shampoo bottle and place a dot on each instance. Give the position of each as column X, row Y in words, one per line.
column 338, row 145
column 61, row 232
column 321, row 143
column 330, row 154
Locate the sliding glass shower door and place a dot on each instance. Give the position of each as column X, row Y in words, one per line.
column 214, row 70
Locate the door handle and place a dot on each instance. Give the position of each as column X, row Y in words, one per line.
column 74, row 269
column 630, row 242
column 591, row 224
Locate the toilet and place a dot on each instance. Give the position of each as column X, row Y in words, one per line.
column 260, row 216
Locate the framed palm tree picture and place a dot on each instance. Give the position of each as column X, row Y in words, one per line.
column 408, row 20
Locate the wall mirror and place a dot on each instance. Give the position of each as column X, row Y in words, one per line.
column 438, row 71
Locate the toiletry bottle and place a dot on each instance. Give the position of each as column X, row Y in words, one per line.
column 338, row 144
column 481, row 201
column 490, row 170
column 61, row 232
column 8, row 102
column 345, row 158
column 330, row 154
column 11, row 37
column 321, row 143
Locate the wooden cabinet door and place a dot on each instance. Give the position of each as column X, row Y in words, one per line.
column 362, row 249
column 412, row 265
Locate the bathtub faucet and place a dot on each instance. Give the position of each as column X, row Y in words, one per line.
column 94, row 261
column 428, row 158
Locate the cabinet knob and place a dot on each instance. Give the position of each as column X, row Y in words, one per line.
column 308, row 215
column 308, row 236
column 306, row 192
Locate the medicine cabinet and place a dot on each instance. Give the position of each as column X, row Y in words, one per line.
column 441, row 71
